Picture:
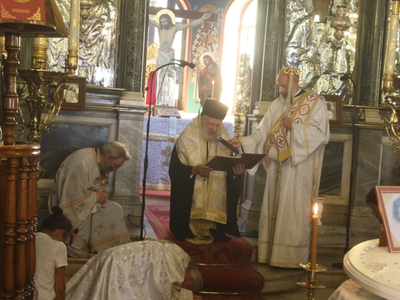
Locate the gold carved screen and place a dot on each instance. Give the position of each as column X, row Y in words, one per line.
column 97, row 41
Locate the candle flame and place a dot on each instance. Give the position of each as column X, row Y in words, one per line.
column 316, row 209
column 212, row 82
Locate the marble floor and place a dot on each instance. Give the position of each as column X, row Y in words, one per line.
column 299, row 294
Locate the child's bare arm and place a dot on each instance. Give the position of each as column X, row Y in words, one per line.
column 59, row 282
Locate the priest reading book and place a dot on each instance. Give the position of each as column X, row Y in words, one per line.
column 203, row 199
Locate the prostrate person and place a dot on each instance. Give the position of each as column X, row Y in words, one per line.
column 203, row 202
column 145, row 270
column 296, row 142
column 79, row 189
column 51, row 256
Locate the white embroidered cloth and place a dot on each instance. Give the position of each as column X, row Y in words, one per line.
column 145, row 270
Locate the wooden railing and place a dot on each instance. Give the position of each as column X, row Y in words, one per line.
column 19, row 168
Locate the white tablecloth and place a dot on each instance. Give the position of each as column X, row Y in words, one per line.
column 375, row 269
column 349, row 290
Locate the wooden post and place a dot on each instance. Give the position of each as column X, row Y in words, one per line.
column 10, row 97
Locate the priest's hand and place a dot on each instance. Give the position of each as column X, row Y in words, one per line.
column 101, row 196
column 235, row 142
column 287, row 122
column 197, row 297
column 238, row 169
column 202, row 170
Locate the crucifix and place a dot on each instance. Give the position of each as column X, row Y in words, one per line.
column 164, row 21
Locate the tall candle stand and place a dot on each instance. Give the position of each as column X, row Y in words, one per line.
column 311, row 283
column 312, row 267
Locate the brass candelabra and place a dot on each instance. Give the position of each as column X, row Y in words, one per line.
column 45, row 93
column 311, row 283
column 38, row 82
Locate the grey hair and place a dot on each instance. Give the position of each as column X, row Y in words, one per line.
column 116, row 150
column 197, row 278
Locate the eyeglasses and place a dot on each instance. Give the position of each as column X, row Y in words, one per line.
column 212, row 125
column 115, row 164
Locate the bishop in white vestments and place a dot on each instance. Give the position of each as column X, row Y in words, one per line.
column 293, row 135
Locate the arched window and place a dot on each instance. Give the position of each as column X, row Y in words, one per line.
column 238, row 39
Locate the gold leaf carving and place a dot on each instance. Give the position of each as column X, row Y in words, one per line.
column 37, row 16
column 6, row 14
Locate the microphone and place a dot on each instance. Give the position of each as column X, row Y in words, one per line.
column 345, row 77
column 184, row 63
column 225, row 143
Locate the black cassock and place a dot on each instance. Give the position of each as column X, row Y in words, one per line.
column 182, row 186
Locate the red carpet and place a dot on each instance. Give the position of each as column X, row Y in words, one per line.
column 156, row 193
column 236, row 251
column 234, row 276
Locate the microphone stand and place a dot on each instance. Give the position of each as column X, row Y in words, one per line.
column 146, row 158
column 352, row 174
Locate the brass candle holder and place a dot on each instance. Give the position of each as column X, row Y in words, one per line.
column 311, row 283
column 38, row 82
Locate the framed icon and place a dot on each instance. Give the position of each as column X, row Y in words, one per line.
column 74, row 93
column 389, row 207
column 334, row 108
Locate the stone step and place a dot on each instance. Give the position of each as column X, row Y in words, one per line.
column 74, row 264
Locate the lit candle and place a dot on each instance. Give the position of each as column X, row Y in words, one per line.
column 74, row 24
column 212, row 91
column 314, row 238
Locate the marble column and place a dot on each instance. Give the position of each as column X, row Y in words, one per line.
column 132, row 44
column 130, row 132
column 268, row 50
column 370, row 51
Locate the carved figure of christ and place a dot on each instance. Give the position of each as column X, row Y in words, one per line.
column 165, row 23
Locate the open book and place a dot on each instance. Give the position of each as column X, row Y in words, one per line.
column 225, row 163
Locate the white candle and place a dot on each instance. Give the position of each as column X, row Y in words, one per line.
column 392, row 41
column 314, row 238
column 74, row 25
column 212, row 91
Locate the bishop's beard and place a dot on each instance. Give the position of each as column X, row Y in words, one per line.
column 206, row 137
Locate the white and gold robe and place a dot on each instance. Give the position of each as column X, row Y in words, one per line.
column 299, row 182
column 74, row 190
column 199, row 205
